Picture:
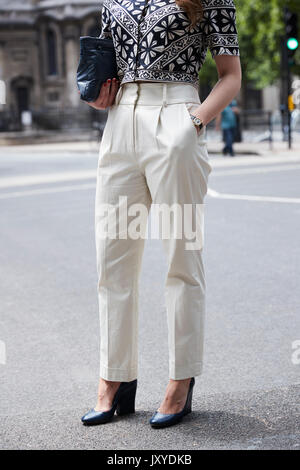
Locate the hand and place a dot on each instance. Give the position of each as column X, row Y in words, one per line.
column 194, row 111
column 198, row 129
column 107, row 94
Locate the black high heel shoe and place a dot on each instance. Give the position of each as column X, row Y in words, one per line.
column 161, row 420
column 123, row 404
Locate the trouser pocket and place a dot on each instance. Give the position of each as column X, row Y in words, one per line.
column 190, row 108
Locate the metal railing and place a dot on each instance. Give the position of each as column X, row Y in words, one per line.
column 252, row 125
column 71, row 119
column 259, row 122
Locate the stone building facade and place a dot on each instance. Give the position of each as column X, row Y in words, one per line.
column 39, row 52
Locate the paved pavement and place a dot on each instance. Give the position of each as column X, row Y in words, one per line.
column 248, row 395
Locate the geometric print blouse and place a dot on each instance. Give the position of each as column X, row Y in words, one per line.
column 153, row 39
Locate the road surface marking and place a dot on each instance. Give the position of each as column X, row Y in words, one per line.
column 246, row 197
column 31, row 180
column 2, row 353
column 221, row 162
column 56, row 189
column 248, row 171
column 210, row 192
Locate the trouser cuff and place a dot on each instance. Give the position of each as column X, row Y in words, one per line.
column 184, row 372
column 118, row 375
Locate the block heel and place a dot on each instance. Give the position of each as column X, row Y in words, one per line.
column 188, row 407
column 126, row 403
column 123, row 404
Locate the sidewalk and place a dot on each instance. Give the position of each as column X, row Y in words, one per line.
column 262, row 149
column 68, row 143
column 46, row 137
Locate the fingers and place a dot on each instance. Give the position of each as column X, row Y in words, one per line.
column 101, row 101
column 111, row 88
column 113, row 91
column 107, row 94
column 104, row 93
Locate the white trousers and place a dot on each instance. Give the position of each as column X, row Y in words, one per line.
column 150, row 153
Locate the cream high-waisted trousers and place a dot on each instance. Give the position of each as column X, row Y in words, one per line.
column 150, row 153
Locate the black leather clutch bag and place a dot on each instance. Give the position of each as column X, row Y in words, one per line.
column 97, row 63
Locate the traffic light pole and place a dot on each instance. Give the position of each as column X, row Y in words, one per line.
column 290, row 44
column 285, row 91
column 289, row 114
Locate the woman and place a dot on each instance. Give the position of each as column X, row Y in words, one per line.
column 153, row 151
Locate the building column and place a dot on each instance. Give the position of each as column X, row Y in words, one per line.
column 3, row 90
column 71, row 42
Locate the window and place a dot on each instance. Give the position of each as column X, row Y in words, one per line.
column 53, row 96
column 51, row 52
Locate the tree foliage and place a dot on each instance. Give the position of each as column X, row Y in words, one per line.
column 260, row 25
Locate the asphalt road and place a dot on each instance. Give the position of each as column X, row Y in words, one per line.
column 248, row 396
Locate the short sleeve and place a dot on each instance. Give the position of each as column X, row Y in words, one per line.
column 105, row 23
column 219, row 27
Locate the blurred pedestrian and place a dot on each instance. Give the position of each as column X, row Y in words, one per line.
column 227, row 122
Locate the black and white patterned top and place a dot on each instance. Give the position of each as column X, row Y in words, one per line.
column 154, row 41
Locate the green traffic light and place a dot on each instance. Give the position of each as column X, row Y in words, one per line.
column 292, row 44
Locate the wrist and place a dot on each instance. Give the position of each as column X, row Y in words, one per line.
column 201, row 117
column 197, row 121
column 198, row 113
